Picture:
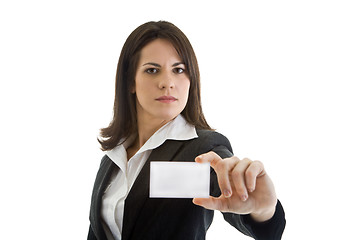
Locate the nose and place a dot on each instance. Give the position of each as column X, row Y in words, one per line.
column 166, row 81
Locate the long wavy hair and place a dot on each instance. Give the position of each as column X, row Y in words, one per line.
column 124, row 122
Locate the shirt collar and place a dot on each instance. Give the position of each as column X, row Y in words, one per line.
column 177, row 129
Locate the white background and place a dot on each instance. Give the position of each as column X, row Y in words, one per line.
column 279, row 79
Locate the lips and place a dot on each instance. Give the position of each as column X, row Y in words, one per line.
column 166, row 99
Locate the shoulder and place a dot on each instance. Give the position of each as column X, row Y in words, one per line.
column 211, row 136
column 210, row 139
column 105, row 160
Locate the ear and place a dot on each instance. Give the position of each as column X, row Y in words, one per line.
column 132, row 89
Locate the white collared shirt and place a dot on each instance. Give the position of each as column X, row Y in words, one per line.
column 113, row 202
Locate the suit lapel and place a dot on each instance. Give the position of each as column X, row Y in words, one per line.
column 139, row 192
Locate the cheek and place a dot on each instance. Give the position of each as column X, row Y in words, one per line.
column 140, row 91
column 142, row 85
column 185, row 93
column 186, row 88
column 142, row 94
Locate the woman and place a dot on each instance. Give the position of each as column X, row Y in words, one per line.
column 158, row 116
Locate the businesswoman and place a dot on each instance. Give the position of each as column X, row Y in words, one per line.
column 158, row 116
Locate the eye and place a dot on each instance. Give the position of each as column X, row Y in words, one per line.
column 152, row 70
column 178, row 70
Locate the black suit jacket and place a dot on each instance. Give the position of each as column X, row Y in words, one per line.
column 161, row 218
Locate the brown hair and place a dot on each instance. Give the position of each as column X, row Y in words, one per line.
column 124, row 122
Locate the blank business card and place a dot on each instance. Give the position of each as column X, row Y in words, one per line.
column 179, row 179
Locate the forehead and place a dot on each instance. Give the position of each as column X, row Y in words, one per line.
column 159, row 50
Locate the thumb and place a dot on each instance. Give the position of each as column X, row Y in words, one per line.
column 208, row 203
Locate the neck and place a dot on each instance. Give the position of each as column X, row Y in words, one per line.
column 146, row 128
column 145, row 131
column 147, row 125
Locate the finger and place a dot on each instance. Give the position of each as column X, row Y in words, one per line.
column 255, row 170
column 238, row 177
column 222, row 168
column 212, row 203
column 210, row 157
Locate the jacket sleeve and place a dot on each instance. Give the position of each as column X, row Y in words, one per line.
column 269, row 230
column 91, row 235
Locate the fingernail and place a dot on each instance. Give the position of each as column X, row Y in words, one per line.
column 244, row 197
column 227, row 193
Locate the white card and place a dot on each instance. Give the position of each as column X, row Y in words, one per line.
column 179, row 179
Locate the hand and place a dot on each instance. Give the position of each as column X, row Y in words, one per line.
column 245, row 186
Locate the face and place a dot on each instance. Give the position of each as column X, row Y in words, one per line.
column 161, row 82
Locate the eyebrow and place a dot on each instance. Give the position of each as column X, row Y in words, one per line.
column 158, row 65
